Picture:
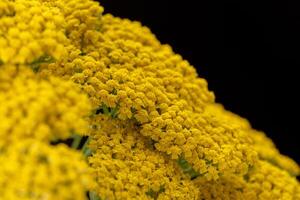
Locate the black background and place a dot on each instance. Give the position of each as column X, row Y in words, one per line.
column 248, row 52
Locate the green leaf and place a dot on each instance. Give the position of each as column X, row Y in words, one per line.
column 35, row 65
column 104, row 109
column 153, row 194
column 187, row 168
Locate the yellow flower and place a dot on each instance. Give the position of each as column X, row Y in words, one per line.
column 149, row 95
column 155, row 130
column 6, row 8
column 263, row 182
column 264, row 146
column 267, row 151
column 81, row 16
column 29, row 31
column 127, row 167
column 44, row 109
column 33, row 170
column 116, row 28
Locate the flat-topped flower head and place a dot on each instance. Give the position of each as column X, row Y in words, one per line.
column 80, row 16
column 126, row 166
column 161, row 92
column 34, row 170
column 43, row 109
column 29, row 31
column 154, row 130
column 267, row 151
column 265, row 181
column 263, row 145
column 117, row 28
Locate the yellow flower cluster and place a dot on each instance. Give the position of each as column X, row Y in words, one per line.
column 158, row 90
column 8, row 72
column 128, row 167
column 33, row 113
column 268, row 152
column 29, row 31
column 116, row 28
column 263, row 182
column 264, row 146
column 155, row 131
column 6, row 8
column 80, row 18
column 41, row 109
column 32, row 170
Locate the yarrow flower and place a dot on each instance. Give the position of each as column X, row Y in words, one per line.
column 263, row 145
column 146, row 123
column 264, row 181
column 29, row 31
column 42, row 109
column 141, row 84
column 128, row 167
column 34, row 170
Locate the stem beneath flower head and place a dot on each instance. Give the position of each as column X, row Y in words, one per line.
column 93, row 196
column 85, row 149
column 76, row 141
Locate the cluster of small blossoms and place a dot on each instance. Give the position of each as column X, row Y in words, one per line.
column 127, row 166
column 267, row 151
column 38, row 112
column 155, row 131
column 32, row 170
column 29, row 31
column 263, row 145
column 272, row 177
column 41, row 109
column 8, row 72
column 132, row 78
column 116, row 28
column 161, row 92
column 80, row 18
column 6, row 8
column 178, row 78
column 264, row 181
column 35, row 112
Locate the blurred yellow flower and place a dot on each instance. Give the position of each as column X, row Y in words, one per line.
column 34, row 170
column 154, row 130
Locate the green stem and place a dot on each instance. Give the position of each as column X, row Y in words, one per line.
column 106, row 110
column 87, row 152
column 85, row 145
column 94, row 196
column 85, row 149
column 76, row 141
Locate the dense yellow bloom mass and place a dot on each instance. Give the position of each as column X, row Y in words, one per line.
column 267, row 151
column 6, row 8
column 155, row 131
column 262, row 182
column 80, row 17
column 162, row 93
column 31, row 170
column 116, row 28
column 128, row 167
column 43, row 109
column 30, row 30
column 262, row 144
